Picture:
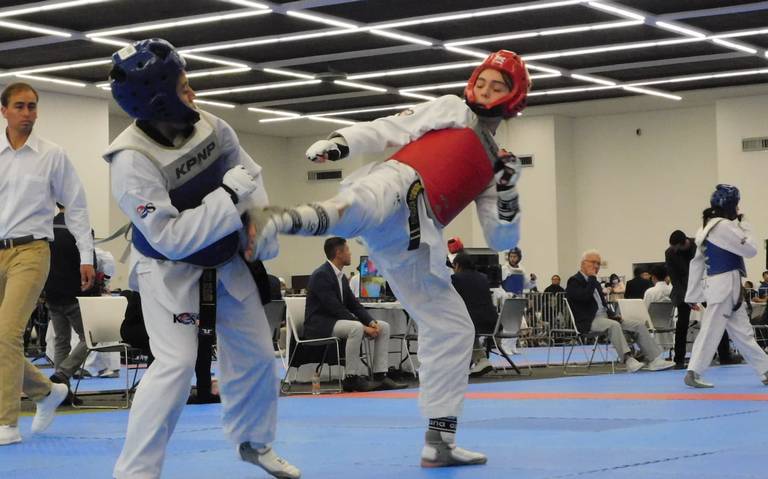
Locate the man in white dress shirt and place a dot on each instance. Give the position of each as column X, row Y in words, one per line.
column 36, row 175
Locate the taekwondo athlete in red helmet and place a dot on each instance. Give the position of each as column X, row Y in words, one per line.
column 399, row 207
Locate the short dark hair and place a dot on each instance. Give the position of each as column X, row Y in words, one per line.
column 15, row 88
column 659, row 272
column 677, row 238
column 765, row 272
column 555, row 276
column 638, row 271
column 332, row 246
column 464, row 261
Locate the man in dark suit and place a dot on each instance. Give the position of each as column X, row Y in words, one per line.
column 637, row 286
column 474, row 289
column 333, row 310
column 678, row 258
column 591, row 314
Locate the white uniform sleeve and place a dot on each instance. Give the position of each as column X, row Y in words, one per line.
column 734, row 236
column 375, row 136
column 140, row 190
column 499, row 235
column 68, row 190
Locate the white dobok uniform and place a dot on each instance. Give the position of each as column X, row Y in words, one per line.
column 377, row 211
column 715, row 278
column 149, row 181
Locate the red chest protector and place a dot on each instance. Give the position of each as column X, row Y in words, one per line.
column 454, row 167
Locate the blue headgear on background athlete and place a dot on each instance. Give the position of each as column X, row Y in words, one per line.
column 144, row 81
column 725, row 197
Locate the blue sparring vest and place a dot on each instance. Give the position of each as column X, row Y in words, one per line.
column 514, row 283
column 719, row 260
column 191, row 172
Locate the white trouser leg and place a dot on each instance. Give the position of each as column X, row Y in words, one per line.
column 743, row 336
column 247, row 378
column 712, row 326
column 162, row 393
column 446, row 332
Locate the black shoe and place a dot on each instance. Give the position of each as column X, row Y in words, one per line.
column 359, row 384
column 388, row 384
column 72, row 400
column 59, row 378
column 679, row 366
column 204, row 399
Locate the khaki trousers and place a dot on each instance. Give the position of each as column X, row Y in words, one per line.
column 23, row 270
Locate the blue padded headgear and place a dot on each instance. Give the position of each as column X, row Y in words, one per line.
column 725, row 197
column 144, row 80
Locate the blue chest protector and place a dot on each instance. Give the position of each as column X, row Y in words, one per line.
column 514, row 283
column 719, row 260
column 191, row 171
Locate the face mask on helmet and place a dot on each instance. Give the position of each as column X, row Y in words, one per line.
column 144, row 81
column 507, row 63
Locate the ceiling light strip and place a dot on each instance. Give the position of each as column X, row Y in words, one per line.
column 268, row 40
column 440, row 86
column 288, row 73
column 223, row 71
column 265, row 86
column 55, row 68
column 735, row 46
column 52, row 80
column 546, row 32
column 646, row 91
column 616, row 11
column 45, row 8
column 706, row 76
column 31, row 28
column 680, row 29
column 246, row 3
column 411, row 71
column 205, row 58
column 401, row 37
column 331, row 120
column 361, row 86
column 215, row 103
column 320, row 19
column 419, row 96
column 269, row 111
column 178, row 23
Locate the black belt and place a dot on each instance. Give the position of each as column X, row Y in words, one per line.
column 207, row 325
column 414, row 227
column 11, row 242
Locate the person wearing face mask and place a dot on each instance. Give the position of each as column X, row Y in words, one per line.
column 399, row 207
column 716, row 271
column 615, row 288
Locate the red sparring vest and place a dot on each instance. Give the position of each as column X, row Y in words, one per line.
column 454, row 168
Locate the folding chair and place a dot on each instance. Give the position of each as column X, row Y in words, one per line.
column 275, row 311
column 508, row 326
column 409, row 334
column 575, row 337
column 304, row 351
column 102, row 317
column 662, row 316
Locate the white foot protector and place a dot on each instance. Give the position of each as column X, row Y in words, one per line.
column 440, row 451
column 266, row 459
column 693, row 380
column 46, row 408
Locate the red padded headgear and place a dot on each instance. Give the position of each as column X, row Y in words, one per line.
column 455, row 245
column 508, row 63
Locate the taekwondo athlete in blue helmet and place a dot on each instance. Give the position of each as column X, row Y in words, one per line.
column 183, row 180
column 715, row 278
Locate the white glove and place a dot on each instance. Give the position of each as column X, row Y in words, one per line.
column 239, row 183
column 261, row 234
column 323, row 150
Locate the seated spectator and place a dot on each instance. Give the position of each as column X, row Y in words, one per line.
column 615, row 288
column 762, row 290
column 591, row 314
column 660, row 292
column 332, row 310
column 555, row 286
column 636, row 287
column 475, row 290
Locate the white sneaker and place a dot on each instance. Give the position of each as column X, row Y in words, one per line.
column 660, row 364
column 481, row 368
column 46, row 408
column 9, row 435
column 693, row 380
column 266, row 459
column 439, row 452
column 633, row 365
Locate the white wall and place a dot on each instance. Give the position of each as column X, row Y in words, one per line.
column 631, row 191
column 737, row 119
